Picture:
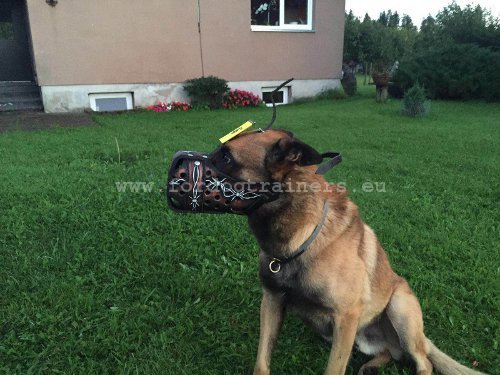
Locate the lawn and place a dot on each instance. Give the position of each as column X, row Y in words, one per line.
column 97, row 281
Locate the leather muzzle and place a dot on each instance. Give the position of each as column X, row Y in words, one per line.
column 195, row 185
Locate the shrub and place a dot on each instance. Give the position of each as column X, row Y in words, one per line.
column 239, row 99
column 206, row 91
column 395, row 90
column 415, row 102
column 331, row 94
column 453, row 71
column 348, row 81
column 169, row 107
column 349, row 84
column 326, row 94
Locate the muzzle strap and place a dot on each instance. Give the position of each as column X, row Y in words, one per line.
column 335, row 158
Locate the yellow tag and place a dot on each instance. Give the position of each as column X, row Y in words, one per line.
column 236, row 131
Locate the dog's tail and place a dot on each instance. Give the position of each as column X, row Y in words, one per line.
column 446, row 365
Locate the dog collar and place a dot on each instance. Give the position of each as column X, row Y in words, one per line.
column 335, row 158
column 275, row 264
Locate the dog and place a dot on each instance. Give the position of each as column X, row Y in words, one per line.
column 342, row 283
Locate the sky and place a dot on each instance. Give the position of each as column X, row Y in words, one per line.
column 416, row 9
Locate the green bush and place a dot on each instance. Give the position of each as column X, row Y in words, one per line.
column 348, row 81
column 326, row 94
column 453, row 71
column 206, row 91
column 395, row 90
column 331, row 94
column 415, row 102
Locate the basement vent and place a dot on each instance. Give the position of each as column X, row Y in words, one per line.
column 105, row 102
column 281, row 97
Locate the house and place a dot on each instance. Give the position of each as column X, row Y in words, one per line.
column 72, row 55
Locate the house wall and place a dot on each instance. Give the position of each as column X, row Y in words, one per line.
column 93, row 45
column 114, row 41
column 231, row 50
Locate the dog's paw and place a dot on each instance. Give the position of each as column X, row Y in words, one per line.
column 261, row 371
column 368, row 371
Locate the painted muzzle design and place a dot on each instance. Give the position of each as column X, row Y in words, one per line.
column 195, row 185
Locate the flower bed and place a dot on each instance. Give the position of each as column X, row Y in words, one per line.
column 169, row 107
column 240, row 99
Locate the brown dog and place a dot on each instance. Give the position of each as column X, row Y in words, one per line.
column 343, row 285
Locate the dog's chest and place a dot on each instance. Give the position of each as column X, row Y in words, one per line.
column 290, row 281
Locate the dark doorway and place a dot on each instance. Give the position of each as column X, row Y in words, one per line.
column 15, row 56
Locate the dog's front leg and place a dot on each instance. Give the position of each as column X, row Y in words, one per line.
column 271, row 317
column 344, row 332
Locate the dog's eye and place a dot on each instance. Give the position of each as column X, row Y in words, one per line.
column 227, row 158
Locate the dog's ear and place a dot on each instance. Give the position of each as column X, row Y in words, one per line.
column 295, row 151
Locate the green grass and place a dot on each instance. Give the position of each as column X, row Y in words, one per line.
column 96, row 281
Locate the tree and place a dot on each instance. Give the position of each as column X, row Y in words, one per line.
column 407, row 23
column 389, row 19
column 428, row 25
column 376, row 41
column 456, row 55
column 471, row 33
column 369, row 40
column 393, row 20
column 469, row 25
column 352, row 50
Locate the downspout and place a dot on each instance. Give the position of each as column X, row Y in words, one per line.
column 199, row 34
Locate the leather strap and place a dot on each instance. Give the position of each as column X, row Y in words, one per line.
column 275, row 264
column 274, row 104
column 335, row 158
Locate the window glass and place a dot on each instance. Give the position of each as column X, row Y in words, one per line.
column 6, row 31
column 265, row 12
column 296, row 12
column 6, row 26
column 278, row 97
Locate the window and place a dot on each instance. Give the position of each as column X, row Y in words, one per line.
column 281, row 15
column 111, row 102
column 6, row 27
column 281, row 97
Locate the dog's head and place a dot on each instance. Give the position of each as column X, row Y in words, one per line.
column 240, row 175
column 263, row 156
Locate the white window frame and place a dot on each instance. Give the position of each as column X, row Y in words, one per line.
column 288, row 27
column 126, row 95
column 285, row 90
